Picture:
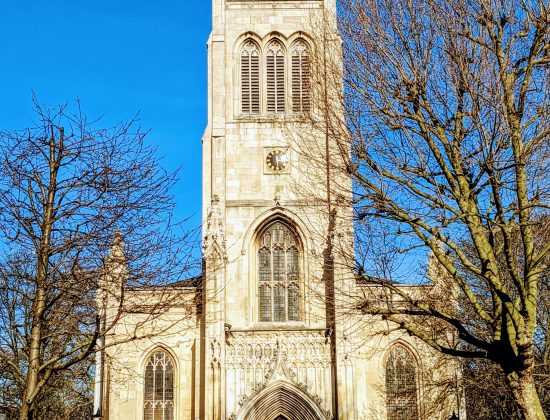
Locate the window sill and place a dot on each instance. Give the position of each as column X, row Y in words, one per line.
column 271, row 118
column 279, row 326
column 261, row 117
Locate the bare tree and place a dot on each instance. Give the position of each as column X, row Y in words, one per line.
column 484, row 378
column 65, row 189
column 445, row 134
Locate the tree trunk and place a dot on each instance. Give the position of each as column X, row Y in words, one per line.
column 525, row 393
column 26, row 413
column 31, row 382
column 32, row 379
column 32, row 389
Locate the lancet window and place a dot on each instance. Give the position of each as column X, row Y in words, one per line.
column 279, row 274
column 266, row 84
column 275, row 65
column 159, row 387
column 401, row 385
column 250, row 78
column 301, row 101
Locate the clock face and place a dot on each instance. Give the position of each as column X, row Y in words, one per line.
column 277, row 160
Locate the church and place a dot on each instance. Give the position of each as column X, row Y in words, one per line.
column 270, row 330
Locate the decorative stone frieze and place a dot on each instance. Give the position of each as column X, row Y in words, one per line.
column 256, row 359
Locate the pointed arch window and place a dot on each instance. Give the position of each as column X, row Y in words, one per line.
column 301, row 85
column 159, row 387
column 275, row 66
column 401, row 385
column 279, row 275
column 250, row 78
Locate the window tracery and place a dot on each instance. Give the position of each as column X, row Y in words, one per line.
column 278, row 275
column 159, row 387
column 401, row 385
column 269, row 61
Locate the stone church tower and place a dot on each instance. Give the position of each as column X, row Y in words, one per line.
column 268, row 333
column 269, row 342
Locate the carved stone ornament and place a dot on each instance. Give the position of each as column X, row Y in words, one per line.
column 277, row 199
column 272, row 357
column 215, row 350
column 116, row 253
column 214, row 237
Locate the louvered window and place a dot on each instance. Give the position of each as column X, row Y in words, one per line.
column 401, row 388
column 301, row 85
column 159, row 387
column 275, row 66
column 278, row 275
column 250, row 79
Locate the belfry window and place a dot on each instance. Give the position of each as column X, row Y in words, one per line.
column 159, row 387
column 278, row 275
column 401, row 385
column 250, row 79
column 275, row 63
column 301, row 85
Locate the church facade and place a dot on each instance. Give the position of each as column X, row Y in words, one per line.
column 270, row 331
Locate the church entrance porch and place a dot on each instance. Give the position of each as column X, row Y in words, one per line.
column 282, row 401
column 278, row 374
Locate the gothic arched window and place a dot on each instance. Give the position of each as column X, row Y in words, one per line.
column 401, row 385
column 275, row 65
column 301, row 85
column 278, row 274
column 159, row 387
column 250, row 78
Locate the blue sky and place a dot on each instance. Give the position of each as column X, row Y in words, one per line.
column 119, row 57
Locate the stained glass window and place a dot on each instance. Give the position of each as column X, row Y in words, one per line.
column 159, row 387
column 401, row 385
column 278, row 275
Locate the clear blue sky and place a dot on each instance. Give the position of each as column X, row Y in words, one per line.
column 119, row 57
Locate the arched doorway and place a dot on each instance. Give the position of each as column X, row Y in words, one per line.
column 282, row 401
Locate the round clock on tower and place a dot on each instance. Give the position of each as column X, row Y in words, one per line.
column 277, row 160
